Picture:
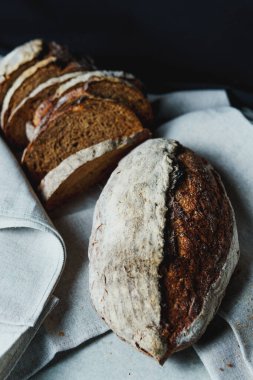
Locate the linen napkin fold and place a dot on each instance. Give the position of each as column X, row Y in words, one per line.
column 174, row 104
column 220, row 353
column 32, row 256
column 74, row 320
column 22, row 336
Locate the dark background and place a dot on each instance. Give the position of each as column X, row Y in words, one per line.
column 168, row 44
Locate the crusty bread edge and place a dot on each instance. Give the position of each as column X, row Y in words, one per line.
column 56, row 176
column 215, row 295
column 87, row 76
column 19, row 56
column 18, row 82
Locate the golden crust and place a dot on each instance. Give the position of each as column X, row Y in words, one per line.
column 199, row 233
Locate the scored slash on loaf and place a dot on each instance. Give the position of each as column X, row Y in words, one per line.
column 69, row 116
column 162, row 249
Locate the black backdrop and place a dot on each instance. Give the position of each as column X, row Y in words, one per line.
column 169, row 44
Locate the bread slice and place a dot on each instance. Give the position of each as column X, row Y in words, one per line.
column 123, row 92
column 95, row 75
column 85, row 168
column 56, row 63
column 79, row 125
column 15, row 128
column 14, row 63
column 103, row 84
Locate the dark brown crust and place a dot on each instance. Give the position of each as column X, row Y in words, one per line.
column 201, row 219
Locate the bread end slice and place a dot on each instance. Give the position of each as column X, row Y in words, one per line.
column 86, row 168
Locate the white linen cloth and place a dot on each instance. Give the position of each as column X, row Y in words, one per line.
column 222, row 135
column 32, row 256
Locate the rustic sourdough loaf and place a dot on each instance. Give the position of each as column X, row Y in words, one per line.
column 79, row 125
column 162, row 249
column 56, row 63
column 19, row 59
column 104, row 84
column 15, row 128
column 85, row 168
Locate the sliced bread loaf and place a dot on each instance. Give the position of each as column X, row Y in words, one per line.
column 103, row 84
column 85, row 168
column 109, row 85
column 77, row 126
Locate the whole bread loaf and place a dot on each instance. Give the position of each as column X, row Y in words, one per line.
column 162, row 249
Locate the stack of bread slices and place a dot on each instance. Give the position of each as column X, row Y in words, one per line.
column 72, row 121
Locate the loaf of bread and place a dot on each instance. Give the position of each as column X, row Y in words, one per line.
column 162, row 249
column 74, row 121
column 118, row 86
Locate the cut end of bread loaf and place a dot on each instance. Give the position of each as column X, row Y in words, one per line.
column 101, row 84
column 35, row 108
column 85, row 168
column 162, row 249
column 78, row 126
